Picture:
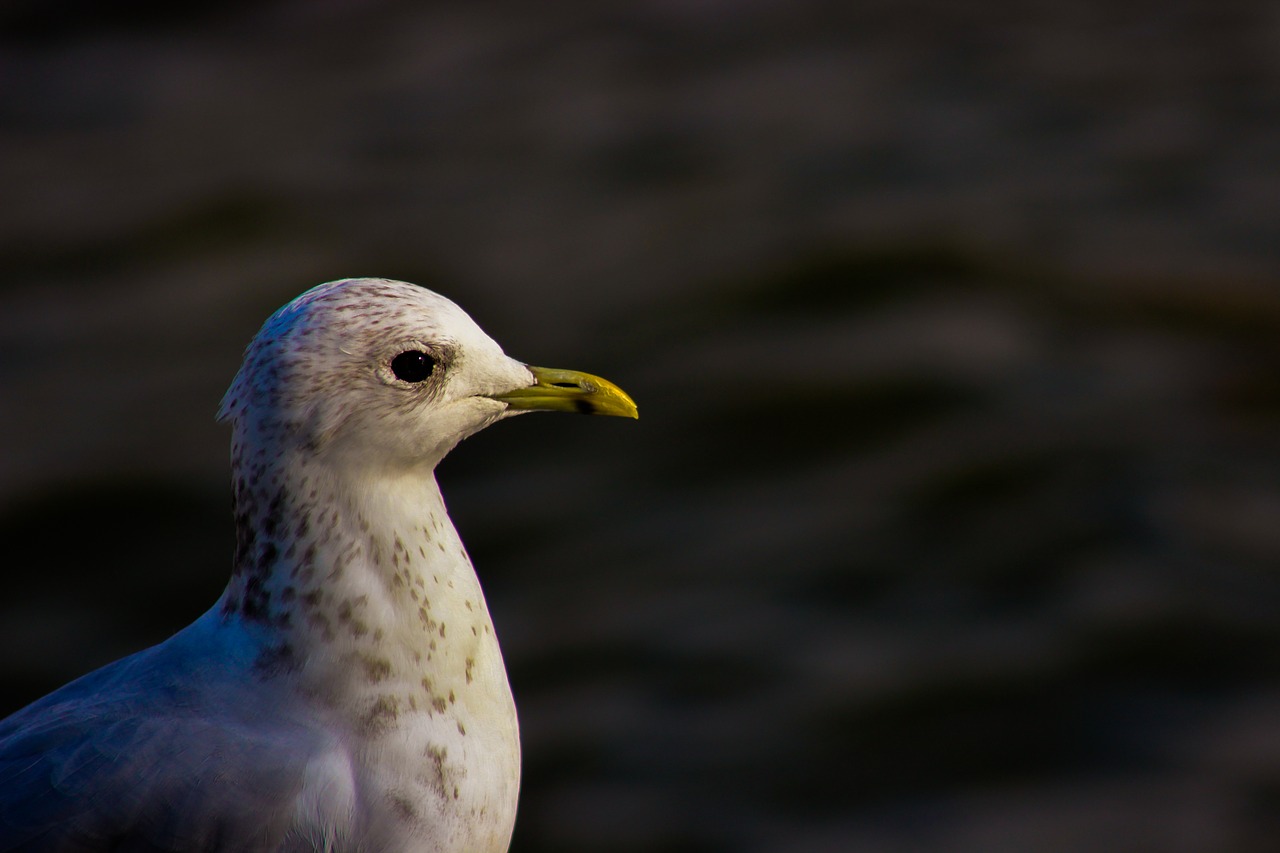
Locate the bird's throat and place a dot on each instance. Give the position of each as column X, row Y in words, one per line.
column 362, row 594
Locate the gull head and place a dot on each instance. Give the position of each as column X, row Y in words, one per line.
column 385, row 374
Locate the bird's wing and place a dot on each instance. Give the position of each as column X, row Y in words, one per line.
column 124, row 760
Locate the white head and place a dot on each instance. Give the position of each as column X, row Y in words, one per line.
column 387, row 374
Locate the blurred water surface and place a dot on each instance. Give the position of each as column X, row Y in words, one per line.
column 951, row 521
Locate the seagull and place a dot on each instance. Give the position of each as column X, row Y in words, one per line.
column 346, row 692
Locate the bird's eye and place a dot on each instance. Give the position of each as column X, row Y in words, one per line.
column 413, row 366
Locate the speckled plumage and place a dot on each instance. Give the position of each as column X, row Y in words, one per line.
column 347, row 691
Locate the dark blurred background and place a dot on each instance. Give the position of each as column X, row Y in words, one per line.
column 952, row 521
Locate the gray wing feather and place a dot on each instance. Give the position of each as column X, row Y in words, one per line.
column 131, row 758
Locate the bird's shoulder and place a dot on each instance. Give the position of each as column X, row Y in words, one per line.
column 146, row 755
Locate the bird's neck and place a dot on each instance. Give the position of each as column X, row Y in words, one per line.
column 360, row 591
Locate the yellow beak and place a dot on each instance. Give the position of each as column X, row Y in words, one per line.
column 570, row 391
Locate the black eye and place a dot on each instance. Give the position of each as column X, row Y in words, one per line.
column 413, row 366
